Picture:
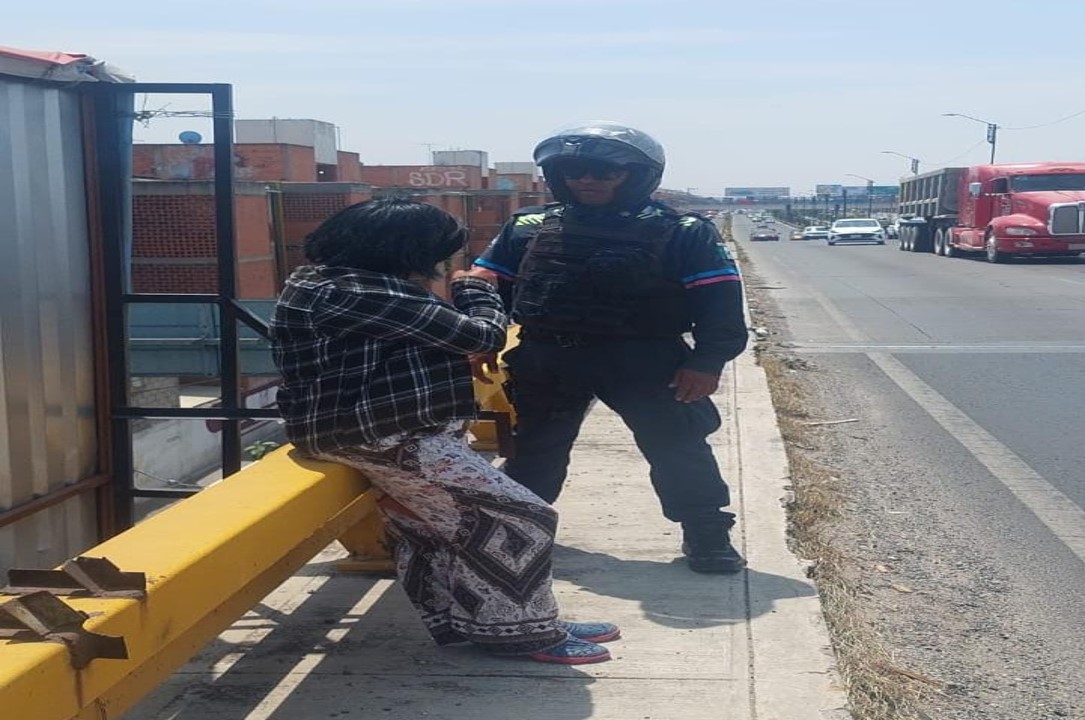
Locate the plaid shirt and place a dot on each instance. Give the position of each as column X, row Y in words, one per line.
column 365, row 356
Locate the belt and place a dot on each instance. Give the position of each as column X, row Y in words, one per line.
column 575, row 340
column 565, row 340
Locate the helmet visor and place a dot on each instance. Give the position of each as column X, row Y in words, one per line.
column 578, row 169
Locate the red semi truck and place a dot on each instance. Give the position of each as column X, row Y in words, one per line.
column 1035, row 209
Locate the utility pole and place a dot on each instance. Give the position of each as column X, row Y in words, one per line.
column 992, row 130
column 914, row 161
column 844, row 194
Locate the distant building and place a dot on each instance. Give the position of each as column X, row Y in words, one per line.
column 886, row 193
column 757, row 194
column 474, row 158
column 290, row 176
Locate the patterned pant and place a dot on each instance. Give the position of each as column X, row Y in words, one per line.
column 473, row 546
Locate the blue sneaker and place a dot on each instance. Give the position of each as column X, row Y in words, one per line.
column 573, row 651
column 596, row 632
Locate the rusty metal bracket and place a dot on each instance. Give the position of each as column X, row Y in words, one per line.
column 81, row 577
column 43, row 617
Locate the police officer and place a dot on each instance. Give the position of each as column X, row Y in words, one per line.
column 604, row 283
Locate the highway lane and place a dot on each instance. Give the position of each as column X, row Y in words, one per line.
column 967, row 379
column 1005, row 343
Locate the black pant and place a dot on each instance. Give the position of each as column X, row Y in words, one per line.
column 553, row 387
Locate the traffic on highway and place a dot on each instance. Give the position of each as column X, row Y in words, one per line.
column 944, row 401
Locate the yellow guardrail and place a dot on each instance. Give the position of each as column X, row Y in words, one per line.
column 207, row 561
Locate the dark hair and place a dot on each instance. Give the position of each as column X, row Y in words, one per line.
column 395, row 235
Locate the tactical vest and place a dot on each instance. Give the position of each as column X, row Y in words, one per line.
column 577, row 278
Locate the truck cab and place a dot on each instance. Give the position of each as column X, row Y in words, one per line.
column 1024, row 209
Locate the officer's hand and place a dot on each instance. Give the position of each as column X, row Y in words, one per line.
column 691, row 385
column 480, row 364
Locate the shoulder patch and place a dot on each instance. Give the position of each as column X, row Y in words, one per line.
column 534, row 215
column 535, row 218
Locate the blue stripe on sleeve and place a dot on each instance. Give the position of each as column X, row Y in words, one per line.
column 490, row 265
column 708, row 274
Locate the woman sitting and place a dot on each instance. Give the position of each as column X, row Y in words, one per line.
column 376, row 376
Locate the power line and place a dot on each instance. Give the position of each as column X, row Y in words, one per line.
column 954, row 159
column 1043, row 125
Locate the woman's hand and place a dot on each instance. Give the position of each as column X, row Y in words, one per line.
column 476, row 272
column 482, row 365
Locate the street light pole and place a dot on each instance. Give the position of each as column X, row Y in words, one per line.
column 992, row 130
column 914, row 160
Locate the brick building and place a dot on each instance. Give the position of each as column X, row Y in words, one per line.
column 252, row 163
column 283, row 190
column 173, row 239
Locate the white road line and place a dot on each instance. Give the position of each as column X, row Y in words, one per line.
column 1061, row 515
column 808, row 347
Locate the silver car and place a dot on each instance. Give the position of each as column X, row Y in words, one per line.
column 815, row 232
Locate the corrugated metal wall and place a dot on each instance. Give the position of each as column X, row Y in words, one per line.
column 47, row 420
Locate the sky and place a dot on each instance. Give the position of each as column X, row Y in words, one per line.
column 786, row 93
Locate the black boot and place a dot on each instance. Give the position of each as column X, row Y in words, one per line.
column 708, row 549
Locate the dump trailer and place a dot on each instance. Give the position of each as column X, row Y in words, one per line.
column 928, row 203
column 1003, row 211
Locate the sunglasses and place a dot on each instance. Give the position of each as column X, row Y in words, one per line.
column 599, row 171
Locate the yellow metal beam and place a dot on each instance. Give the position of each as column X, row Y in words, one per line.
column 208, row 559
column 492, row 397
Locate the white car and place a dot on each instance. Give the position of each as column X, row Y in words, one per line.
column 815, row 232
column 856, row 230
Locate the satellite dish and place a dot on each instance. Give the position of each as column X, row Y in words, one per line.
column 190, row 137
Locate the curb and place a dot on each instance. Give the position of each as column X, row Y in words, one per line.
column 793, row 671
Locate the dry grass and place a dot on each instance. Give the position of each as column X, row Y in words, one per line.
column 877, row 688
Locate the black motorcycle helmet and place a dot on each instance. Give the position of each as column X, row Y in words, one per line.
column 609, row 142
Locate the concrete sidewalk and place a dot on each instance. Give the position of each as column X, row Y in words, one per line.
column 751, row 646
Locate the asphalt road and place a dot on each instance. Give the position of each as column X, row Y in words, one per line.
column 968, row 457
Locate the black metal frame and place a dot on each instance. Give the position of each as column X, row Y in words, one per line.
column 112, row 178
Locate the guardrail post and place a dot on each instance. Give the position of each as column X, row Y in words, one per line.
column 367, row 544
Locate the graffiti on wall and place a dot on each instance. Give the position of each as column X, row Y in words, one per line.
column 438, row 178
